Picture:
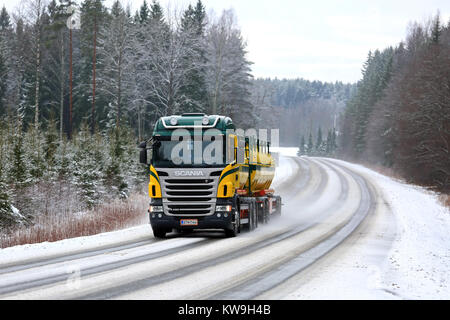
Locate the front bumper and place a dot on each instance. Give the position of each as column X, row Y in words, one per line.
column 205, row 222
column 218, row 220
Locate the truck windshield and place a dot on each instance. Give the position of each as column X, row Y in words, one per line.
column 189, row 153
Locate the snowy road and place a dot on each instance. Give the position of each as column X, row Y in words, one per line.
column 336, row 238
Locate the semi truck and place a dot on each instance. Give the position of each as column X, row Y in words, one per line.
column 205, row 175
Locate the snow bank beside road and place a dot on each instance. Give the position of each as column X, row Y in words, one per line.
column 418, row 264
column 30, row 252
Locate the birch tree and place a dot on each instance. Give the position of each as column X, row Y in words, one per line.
column 164, row 69
column 35, row 10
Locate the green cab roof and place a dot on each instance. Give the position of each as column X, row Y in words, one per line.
column 190, row 121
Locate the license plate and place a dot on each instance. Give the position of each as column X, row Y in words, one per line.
column 189, row 222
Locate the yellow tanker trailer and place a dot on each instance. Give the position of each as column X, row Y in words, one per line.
column 205, row 176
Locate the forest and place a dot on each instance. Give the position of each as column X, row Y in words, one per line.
column 399, row 117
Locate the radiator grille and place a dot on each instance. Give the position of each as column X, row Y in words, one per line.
column 189, row 196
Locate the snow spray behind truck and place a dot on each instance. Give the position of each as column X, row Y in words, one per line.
column 203, row 175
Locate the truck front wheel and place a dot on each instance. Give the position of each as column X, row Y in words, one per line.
column 229, row 233
column 159, row 233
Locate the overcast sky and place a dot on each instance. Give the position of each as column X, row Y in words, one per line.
column 316, row 39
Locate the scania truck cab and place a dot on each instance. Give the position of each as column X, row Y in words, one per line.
column 205, row 176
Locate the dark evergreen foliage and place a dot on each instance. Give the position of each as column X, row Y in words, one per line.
column 400, row 115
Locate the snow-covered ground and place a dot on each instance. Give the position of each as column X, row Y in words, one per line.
column 418, row 263
column 30, row 252
column 403, row 251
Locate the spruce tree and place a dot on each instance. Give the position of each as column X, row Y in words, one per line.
column 86, row 168
column 156, row 12
column 3, row 79
column 35, row 153
column 93, row 17
column 436, row 30
column 319, row 142
column 5, row 20
column 328, row 144
column 6, row 212
column 310, row 146
column 18, row 173
column 144, row 13
column 334, row 145
column 302, row 149
column 193, row 90
column 114, row 175
column 51, row 147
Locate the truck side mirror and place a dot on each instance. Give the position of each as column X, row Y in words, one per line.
column 143, row 156
column 143, row 145
column 143, row 153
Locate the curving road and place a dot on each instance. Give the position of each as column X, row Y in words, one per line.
column 326, row 205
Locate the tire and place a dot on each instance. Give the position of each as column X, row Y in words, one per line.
column 231, row 233
column 159, row 233
column 259, row 213
column 251, row 217
column 278, row 212
column 255, row 214
column 266, row 212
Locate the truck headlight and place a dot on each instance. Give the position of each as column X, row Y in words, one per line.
column 227, row 208
column 155, row 209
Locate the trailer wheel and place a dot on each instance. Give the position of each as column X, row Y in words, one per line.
column 266, row 212
column 251, row 217
column 260, row 212
column 255, row 214
column 278, row 212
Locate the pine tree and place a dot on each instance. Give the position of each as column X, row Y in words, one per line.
column 114, row 171
column 6, row 37
column 436, row 30
column 86, row 167
column 144, row 13
column 334, row 145
column 18, row 173
column 51, row 147
column 5, row 203
column 3, row 84
column 5, row 20
column 156, row 12
column 63, row 158
column 319, row 142
column 93, row 17
column 193, row 90
column 302, row 148
column 34, row 153
column 310, row 146
column 328, row 144
column 6, row 212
